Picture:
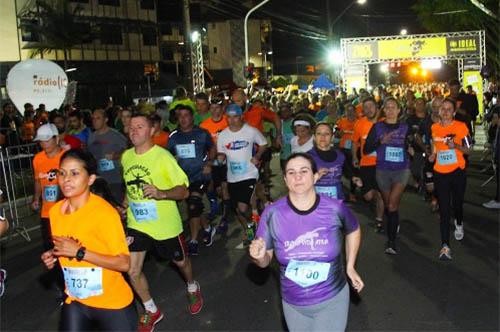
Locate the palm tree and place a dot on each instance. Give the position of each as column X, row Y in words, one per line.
column 60, row 26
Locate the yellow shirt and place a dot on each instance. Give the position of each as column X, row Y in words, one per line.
column 159, row 219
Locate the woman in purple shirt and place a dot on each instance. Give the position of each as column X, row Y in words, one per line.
column 306, row 231
column 389, row 139
column 330, row 162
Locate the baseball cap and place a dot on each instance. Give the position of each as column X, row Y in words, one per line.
column 234, row 109
column 46, row 132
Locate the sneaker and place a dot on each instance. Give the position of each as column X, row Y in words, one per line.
column 3, row 276
column 148, row 320
column 195, row 300
column 379, row 226
column 459, row 231
column 391, row 248
column 193, row 248
column 492, row 204
column 445, row 253
column 208, row 236
column 222, row 227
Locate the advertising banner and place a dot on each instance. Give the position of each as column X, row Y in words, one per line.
column 473, row 78
column 462, row 45
column 362, row 51
column 410, row 48
column 37, row 82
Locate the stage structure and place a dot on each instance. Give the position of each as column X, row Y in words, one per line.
column 467, row 47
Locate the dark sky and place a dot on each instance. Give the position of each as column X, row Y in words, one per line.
column 298, row 25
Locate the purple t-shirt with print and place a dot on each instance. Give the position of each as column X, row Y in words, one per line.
column 315, row 235
column 330, row 183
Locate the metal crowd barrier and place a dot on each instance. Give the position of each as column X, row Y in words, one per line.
column 17, row 182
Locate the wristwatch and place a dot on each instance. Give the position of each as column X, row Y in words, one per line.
column 80, row 253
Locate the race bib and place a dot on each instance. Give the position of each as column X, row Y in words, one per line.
column 394, row 154
column 50, row 193
column 329, row 191
column 83, row 282
column 307, row 273
column 185, row 151
column 347, row 144
column 447, row 157
column 106, row 165
column 238, row 167
column 144, row 211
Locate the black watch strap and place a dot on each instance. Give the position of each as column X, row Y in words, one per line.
column 80, row 253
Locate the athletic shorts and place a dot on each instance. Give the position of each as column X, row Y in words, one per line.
column 198, row 186
column 367, row 175
column 170, row 249
column 386, row 178
column 219, row 175
column 241, row 192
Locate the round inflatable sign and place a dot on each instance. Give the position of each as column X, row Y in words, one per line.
column 37, row 82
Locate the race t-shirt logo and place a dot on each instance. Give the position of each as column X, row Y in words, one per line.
column 237, row 145
column 135, row 178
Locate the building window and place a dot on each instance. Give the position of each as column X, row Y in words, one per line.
column 166, row 29
column 147, row 4
column 215, row 50
column 85, row 32
column 28, row 32
column 149, row 36
column 167, row 54
column 111, row 34
column 115, row 3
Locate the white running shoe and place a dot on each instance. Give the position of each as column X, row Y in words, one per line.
column 459, row 231
column 492, row 204
column 445, row 253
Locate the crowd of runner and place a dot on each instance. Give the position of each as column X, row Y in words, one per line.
column 124, row 178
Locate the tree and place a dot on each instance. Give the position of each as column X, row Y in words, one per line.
column 462, row 15
column 60, row 26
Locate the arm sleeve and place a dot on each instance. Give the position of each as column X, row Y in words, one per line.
column 371, row 143
column 264, row 229
column 349, row 221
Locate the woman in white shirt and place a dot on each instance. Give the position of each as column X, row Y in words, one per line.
column 302, row 125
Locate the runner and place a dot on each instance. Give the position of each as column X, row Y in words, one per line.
column 344, row 131
column 107, row 145
column 195, row 151
column 303, row 126
column 390, row 140
column 286, row 115
column 329, row 161
column 451, row 141
column 235, row 144
column 215, row 124
column 160, row 136
column 306, row 230
column 367, row 163
column 202, row 108
column 154, row 183
column 98, row 295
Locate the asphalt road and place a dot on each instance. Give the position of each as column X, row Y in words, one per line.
column 411, row 291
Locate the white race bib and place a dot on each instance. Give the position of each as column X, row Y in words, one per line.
column 330, row 191
column 83, row 282
column 106, row 165
column 50, row 193
column 307, row 273
column 238, row 167
column 144, row 211
column 394, row 154
column 185, row 151
column 447, row 157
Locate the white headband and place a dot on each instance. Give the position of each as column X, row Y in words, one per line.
column 301, row 123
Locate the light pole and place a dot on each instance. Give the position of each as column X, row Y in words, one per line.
column 246, row 27
column 331, row 24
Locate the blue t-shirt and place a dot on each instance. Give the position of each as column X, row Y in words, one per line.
column 308, row 246
column 191, row 151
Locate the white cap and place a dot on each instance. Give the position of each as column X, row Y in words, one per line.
column 46, row 132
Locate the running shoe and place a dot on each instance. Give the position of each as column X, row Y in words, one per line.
column 208, row 236
column 391, row 248
column 459, row 231
column 193, row 248
column 222, row 227
column 379, row 226
column 492, row 204
column 195, row 300
column 445, row 253
column 3, row 276
column 148, row 320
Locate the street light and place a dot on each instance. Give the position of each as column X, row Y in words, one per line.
column 194, row 36
column 334, row 56
column 245, row 27
column 403, row 32
column 361, row 2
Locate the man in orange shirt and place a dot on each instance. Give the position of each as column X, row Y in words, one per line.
column 368, row 162
column 345, row 130
column 45, row 169
column 216, row 123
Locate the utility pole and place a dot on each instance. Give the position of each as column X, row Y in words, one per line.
column 188, row 70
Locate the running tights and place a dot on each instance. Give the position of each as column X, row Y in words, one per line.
column 79, row 317
column 450, row 189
